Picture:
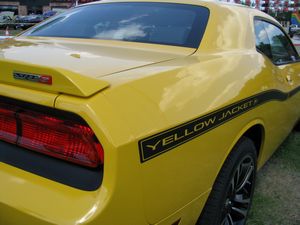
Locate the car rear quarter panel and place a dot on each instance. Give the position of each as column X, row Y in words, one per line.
column 175, row 178
column 184, row 89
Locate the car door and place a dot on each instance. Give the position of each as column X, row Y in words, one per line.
column 272, row 41
column 286, row 58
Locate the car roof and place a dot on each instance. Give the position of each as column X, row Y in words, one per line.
column 207, row 3
column 190, row 2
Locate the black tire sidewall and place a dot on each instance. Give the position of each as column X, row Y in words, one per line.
column 297, row 127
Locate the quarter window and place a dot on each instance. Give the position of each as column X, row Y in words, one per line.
column 273, row 42
column 262, row 40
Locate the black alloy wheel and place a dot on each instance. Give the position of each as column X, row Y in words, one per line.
column 238, row 197
column 230, row 199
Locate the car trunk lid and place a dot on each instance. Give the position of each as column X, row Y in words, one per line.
column 77, row 65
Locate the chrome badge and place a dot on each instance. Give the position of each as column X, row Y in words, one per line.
column 43, row 79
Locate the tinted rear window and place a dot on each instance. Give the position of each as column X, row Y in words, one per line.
column 158, row 23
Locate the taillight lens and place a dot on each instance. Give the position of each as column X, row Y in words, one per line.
column 8, row 124
column 65, row 139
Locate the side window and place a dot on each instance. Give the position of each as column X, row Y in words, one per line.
column 275, row 44
column 282, row 50
column 261, row 38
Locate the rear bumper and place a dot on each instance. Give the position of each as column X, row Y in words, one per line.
column 26, row 198
column 13, row 216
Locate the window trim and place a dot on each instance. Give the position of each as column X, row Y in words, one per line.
column 259, row 18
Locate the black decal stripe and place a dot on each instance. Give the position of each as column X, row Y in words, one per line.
column 164, row 141
column 295, row 91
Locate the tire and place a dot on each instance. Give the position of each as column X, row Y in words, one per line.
column 231, row 196
column 297, row 127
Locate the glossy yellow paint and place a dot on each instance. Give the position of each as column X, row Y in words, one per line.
column 63, row 80
column 148, row 89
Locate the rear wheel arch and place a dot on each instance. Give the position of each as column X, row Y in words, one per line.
column 256, row 133
column 230, row 194
column 253, row 132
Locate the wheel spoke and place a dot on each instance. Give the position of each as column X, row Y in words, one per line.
column 241, row 200
column 232, row 184
column 227, row 220
column 246, row 178
column 241, row 212
column 237, row 175
column 224, row 221
column 230, row 219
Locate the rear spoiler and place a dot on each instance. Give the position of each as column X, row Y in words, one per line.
column 63, row 81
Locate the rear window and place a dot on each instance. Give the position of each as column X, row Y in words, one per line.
column 157, row 23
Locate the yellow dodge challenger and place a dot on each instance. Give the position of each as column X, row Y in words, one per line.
column 126, row 112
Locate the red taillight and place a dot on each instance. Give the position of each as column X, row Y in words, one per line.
column 64, row 139
column 8, row 124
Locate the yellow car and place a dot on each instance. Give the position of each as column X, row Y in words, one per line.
column 143, row 112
